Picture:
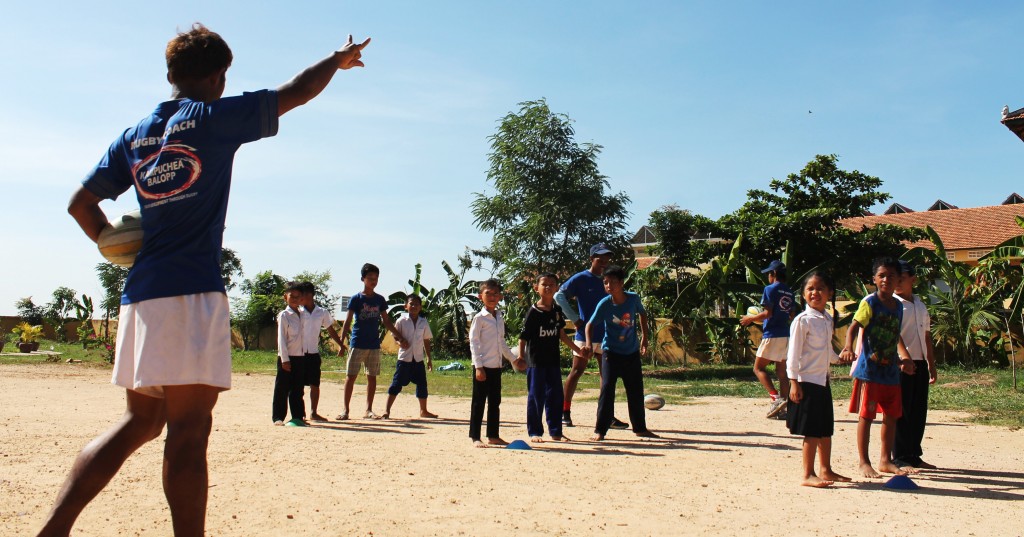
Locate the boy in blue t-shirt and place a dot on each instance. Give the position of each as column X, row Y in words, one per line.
column 777, row 312
column 620, row 313
column 369, row 310
column 881, row 355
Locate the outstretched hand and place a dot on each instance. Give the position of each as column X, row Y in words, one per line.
column 351, row 53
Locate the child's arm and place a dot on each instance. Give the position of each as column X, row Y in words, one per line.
column 933, row 372
column 562, row 299
column 310, row 82
column 426, row 349
column 345, row 328
column 282, row 342
column 337, row 339
column 390, row 326
column 846, row 355
column 475, row 347
column 568, row 341
column 906, row 362
column 644, row 333
column 793, row 365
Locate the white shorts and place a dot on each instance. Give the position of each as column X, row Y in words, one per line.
column 773, row 348
column 174, row 341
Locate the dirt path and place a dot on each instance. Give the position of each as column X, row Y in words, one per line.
column 720, row 469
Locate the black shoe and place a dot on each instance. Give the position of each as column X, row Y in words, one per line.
column 567, row 419
column 617, row 424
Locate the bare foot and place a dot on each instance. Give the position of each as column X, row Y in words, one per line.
column 317, row 417
column 426, row 414
column 479, row 444
column 536, row 439
column 646, row 434
column 816, row 482
column 829, row 475
column 384, row 416
column 890, row 468
column 869, row 471
column 597, row 437
column 560, row 438
column 496, row 441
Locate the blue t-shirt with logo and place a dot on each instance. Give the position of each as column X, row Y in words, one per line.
column 366, row 312
column 620, row 323
column 179, row 160
column 779, row 298
column 588, row 289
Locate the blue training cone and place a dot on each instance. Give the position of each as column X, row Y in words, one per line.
column 518, row 444
column 900, row 482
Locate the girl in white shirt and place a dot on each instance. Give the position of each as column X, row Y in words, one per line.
column 807, row 366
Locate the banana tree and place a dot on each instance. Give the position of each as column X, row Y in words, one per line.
column 446, row 310
column 958, row 305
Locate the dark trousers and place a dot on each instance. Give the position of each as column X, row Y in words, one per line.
column 544, row 385
column 406, row 372
column 486, row 392
column 627, row 367
column 910, row 427
column 289, row 389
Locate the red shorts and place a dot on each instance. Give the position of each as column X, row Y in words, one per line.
column 869, row 398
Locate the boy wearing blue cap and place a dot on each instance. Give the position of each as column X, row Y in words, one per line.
column 777, row 312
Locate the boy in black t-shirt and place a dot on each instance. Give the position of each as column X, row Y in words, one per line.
column 543, row 328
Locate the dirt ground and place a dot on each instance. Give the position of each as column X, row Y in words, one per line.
column 720, row 468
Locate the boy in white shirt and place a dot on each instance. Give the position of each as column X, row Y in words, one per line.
column 410, row 368
column 487, row 346
column 291, row 360
column 314, row 319
column 917, row 335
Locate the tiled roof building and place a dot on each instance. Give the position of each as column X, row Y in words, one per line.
column 967, row 234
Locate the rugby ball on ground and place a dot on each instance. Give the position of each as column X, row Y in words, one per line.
column 654, row 401
column 121, row 239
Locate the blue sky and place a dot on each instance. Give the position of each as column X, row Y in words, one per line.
column 694, row 104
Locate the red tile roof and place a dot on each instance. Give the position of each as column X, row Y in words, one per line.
column 644, row 262
column 960, row 229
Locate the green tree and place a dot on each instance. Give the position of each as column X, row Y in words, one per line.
column 262, row 298
column 230, row 267
column 28, row 311
column 964, row 304
column 805, row 209
column 322, row 282
column 550, row 202
column 57, row 312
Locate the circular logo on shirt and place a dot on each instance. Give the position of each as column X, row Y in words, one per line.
column 785, row 303
column 168, row 172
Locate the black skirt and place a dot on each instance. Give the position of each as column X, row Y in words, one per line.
column 813, row 415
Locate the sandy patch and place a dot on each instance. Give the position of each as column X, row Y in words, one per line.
column 720, row 468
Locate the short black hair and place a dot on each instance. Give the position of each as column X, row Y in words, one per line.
column 887, row 262
column 543, row 275
column 780, row 274
column 490, row 283
column 196, row 54
column 293, row 286
column 615, row 271
column 368, row 268
column 307, row 287
column 417, row 298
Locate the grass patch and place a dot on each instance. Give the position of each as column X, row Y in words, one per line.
column 987, row 395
